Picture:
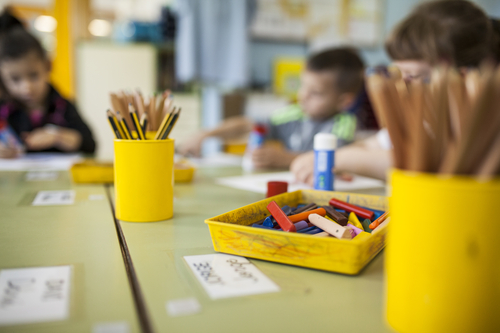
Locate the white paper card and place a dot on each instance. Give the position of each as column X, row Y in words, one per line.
column 111, row 327
column 225, row 276
column 35, row 176
column 34, row 294
column 40, row 161
column 183, row 307
column 49, row 198
column 258, row 182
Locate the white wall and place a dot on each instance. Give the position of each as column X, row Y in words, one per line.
column 102, row 68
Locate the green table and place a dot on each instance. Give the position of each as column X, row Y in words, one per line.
column 82, row 235
column 309, row 301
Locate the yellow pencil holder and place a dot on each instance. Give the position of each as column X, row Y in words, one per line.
column 144, row 180
column 443, row 254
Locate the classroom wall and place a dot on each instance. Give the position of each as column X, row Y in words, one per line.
column 263, row 53
column 102, row 68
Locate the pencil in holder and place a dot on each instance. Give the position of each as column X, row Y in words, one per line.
column 144, row 179
column 443, row 254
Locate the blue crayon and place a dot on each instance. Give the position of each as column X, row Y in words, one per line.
column 256, row 225
column 307, row 229
column 286, row 209
column 269, row 222
column 314, row 231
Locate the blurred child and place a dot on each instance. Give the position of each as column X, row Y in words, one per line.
column 329, row 86
column 41, row 118
column 455, row 33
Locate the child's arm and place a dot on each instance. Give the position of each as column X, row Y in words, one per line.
column 366, row 158
column 64, row 139
column 8, row 152
column 270, row 156
column 230, row 128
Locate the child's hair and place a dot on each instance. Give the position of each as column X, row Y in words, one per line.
column 15, row 40
column 344, row 62
column 453, row 31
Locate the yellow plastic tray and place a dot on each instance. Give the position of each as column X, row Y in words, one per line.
column 91, row 171
column 230, row 234
column 183, row 172
column 98, row 172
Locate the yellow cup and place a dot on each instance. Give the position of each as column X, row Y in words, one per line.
column 443, row 254
column 144, row 180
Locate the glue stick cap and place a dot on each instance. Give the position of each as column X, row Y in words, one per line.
column 325, row 141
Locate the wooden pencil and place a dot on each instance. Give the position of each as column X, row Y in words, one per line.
column 450, row 125
column 137, row 125
column 164, row 124
column 124, row 126
column 144, row 122
column 112, row 123
column 171, row 125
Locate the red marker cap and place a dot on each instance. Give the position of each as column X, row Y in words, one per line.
column 275, row 188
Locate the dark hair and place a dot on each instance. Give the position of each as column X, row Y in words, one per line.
column 344, row 62
column 15, row 40
column 454, row 31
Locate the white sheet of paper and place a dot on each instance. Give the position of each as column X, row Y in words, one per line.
column 35, row 176
column 40, row 161
column 258, row 182
column 223, row 276
column 34, row 294
column 216, row 160
column 50, row 198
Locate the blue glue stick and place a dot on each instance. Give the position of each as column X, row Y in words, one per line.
column 256, row 140
column 324, row 158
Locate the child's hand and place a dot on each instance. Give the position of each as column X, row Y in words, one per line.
column 40, row 139
column 302, row 168
column 8, row 152
column 270, row 156
column 192, row 146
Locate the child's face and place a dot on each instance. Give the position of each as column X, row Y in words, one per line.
column 318, row 95
column 26, row 79
column 414, row 70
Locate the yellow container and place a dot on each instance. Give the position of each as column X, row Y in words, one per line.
column 144, row 180
column 90, row 171
column 443, row 258
column 183, row 172
column 231, row 234
column 102, row 173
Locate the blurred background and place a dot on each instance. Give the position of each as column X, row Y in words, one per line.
column 219, row 57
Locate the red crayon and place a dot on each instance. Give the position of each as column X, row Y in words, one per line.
column 364, row 213
column 281, row 217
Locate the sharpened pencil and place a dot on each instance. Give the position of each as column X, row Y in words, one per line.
column 112, row 123
column 135, row 121
column 125, row 129
column 171, row 125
